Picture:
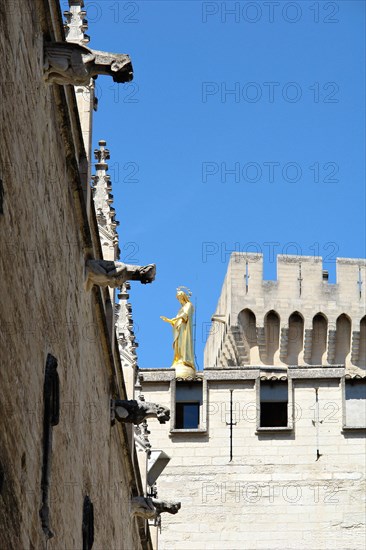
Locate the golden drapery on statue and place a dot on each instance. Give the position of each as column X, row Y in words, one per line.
column 183, row 346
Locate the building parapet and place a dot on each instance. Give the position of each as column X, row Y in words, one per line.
column 254, row 373
column 300, row 318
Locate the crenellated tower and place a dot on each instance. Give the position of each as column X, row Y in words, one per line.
column 280, row 404
column 299, row 319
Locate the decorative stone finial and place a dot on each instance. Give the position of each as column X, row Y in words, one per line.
column 103, row 200
column 75, row 23
column 71, row 63
column 136, row 411
column 101, row 155
column 142, row 433
column 125, row 330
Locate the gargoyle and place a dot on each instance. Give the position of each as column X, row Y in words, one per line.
column 135, row 411
column 151, row 508
column 69, row 63
column 114, row 274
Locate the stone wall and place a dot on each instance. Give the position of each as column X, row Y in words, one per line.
column 281, row 490
column 46, row 310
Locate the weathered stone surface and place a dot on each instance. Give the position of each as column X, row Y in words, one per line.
column 245, row 374
column 158, row 375
column 326, row 372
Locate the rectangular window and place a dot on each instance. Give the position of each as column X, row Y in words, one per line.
column 187, row 415
column 355, row 404
column 188, row 405
column 273, row 404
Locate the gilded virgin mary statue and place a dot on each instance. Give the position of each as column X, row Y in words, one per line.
column 182, row 324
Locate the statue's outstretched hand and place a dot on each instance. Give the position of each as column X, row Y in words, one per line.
column 165, row 319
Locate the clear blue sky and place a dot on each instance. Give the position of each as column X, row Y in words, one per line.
column 292, row 131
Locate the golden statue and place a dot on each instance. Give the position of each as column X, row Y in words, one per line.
column 182, row 324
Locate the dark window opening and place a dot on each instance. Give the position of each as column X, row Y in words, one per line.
column 273, row 415
column 1, row 197
column 187, row 415
column 273, row 404
column 51, row 416
column 88, row 524
column 188, row 400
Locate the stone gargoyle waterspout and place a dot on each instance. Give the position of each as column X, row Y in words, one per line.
column 151, row 508
column 114, row 274
column 70, row 63
column 135, row 411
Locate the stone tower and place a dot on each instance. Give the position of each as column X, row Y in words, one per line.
column 267, row 444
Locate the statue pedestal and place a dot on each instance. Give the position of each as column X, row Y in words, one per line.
column 184, row 371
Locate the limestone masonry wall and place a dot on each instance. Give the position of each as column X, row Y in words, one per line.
column 46, row 310
column 276, row 492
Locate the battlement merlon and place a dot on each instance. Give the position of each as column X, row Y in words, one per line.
column 300, row 279
column 288, row 265
column 302, row 286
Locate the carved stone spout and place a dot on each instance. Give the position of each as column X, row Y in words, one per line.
column 69, row 63
column 135, row 411
column 151, row 508
column 114, row 274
